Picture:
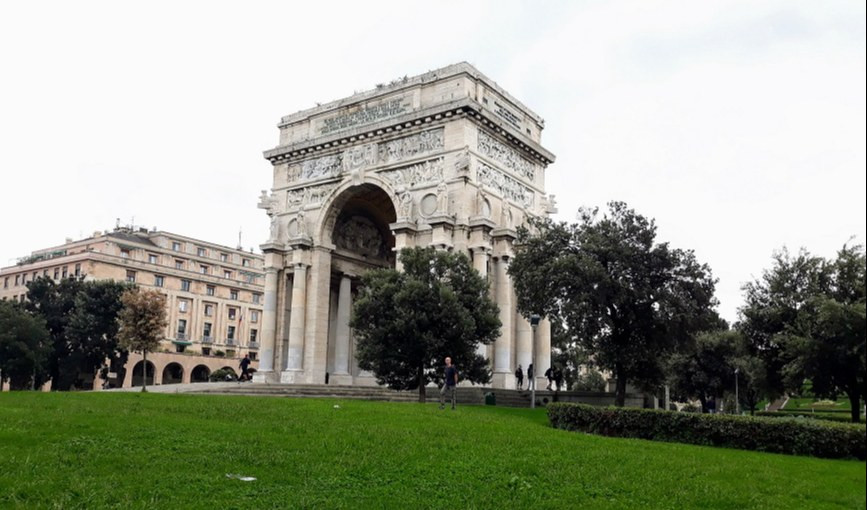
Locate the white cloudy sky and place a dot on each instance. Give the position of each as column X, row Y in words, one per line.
column 739, row 126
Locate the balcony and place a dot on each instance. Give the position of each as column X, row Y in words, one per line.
column 181, row 336
column 253, row 345
column 231, row 341
column 207, row 339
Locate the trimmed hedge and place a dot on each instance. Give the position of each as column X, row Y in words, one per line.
column 795, row 437
column 809, row 415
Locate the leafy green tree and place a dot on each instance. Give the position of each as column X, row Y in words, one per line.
column 806, row 318
column 142, row 322
column 628, row 300
column 706, row 369
column 24, row 347
column 752, row 377
column 81, row 317
column 406, row 322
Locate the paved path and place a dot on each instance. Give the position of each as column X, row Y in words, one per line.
column 181, row 388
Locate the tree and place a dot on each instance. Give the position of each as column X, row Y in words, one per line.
column 706, row 370
column 806, row 318
column 628, row 300
column 81, row 318
column 24, row 347
column 406, row 322
column 142, row 323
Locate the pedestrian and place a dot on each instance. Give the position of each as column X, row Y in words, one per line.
column 550, row 375
column 531, row 373
column 558, row 377
column 245, row 368
column 519, row 376
column 449, row 384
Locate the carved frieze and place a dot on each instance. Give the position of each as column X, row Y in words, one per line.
column 411, row 146
column 507, row 156
column 506, row 186
column 313, row 195
column 359, row 157
column 426, row 172
column 325, row 166
column 359, row 235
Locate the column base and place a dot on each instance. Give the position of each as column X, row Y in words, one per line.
column 340, row 379
column 269, row 377
column 504, row 381
column 292, row 377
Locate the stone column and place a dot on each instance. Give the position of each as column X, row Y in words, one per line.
column 316, row 325
column 269, row 323
column 543, row 351
column 503, row 345
column 297, row 321
column 524, row 342
column 480, row 263
column 341, row 345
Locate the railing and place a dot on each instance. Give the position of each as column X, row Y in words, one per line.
column 207, row 339
column 181, row 336
column 254, row 345
column 230, row 341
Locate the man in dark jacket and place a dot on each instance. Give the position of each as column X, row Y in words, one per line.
column 449, row 385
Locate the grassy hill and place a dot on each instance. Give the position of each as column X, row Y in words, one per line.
column 92, row 450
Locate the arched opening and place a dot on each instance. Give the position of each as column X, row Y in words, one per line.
column 358, row 226
column 173, row 373
column 138, row 375
column 200, row 373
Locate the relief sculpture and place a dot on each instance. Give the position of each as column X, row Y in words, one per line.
column 426, row 172
column 510, row 158
column 325, row 166
column 359, row 235
column 506, row 186
column 411, row 146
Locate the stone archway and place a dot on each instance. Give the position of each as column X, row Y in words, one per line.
column 138, row 373
column 200, row 373
column 173, row 373
column 357, row 222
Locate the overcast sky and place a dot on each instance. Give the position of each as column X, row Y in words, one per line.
column 739, row 126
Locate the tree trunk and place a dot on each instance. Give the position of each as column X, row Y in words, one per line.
column 422, row 391
column 144, row 371
column 620, row 388
column 855, row 402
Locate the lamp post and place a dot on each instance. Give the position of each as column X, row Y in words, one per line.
column 534, row 323
column 737, row 400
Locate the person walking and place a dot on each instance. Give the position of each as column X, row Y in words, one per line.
column 519, row 377
column 558, row 378
column 245, row 368
column 550, row 375
column 449, row 385
column 531, row 373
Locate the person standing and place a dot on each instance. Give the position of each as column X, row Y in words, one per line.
column 531, row 373
column 245, row 368
column 519, row 377
column 449, row 385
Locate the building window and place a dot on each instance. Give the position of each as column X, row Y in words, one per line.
column 180, row 348
column 230, row 332
column 210, row 290
column 6, row 283
column 233, row 312
column 224, row 257
column 201, row 252
column 130, row 276
column 254, row 315
column 17, row 279
column 254, row 334
column 64, row 272
column 159, row 281
column 77, row 269
column 233, row 295
column 203, row 269
column 179, row 264
column 251, row 278
column 257, row 298
column 245, row 262
column 206, row 351
column 183, row 305
column 153, row 259
column 252, row 356
column 36, row 273
column 209, row 310
column 227, row 274
column 56, row 273
column 45, row 273
column 182, row 329
column 185, row 285
column 124, row 253
column 176, row 246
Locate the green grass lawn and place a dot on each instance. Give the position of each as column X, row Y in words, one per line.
column 96, row 450
column 809, row 403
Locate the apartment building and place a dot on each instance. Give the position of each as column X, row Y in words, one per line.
column 214, row 293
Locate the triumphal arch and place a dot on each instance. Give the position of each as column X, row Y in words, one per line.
column 446, row 159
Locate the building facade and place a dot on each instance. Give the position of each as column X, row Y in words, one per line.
column 215, row 295
column 445, row 159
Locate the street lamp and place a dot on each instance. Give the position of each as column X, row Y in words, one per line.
column 737, row 400
column 534, row 323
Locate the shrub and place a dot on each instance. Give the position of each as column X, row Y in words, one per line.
column 807, row 414
column 223, row 374
column 796, row 437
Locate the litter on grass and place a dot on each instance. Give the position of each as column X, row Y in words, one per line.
column 336, row 406
column 240, row 477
